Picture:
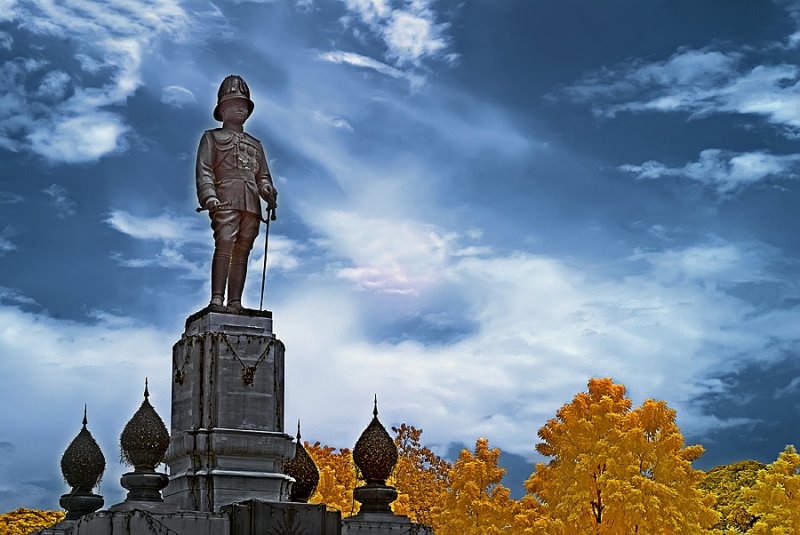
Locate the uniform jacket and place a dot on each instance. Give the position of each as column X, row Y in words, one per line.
column 232, row 167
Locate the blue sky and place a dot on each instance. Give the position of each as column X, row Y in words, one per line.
column 483, row 204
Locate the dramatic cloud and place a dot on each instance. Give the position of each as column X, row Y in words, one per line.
column 63, row 120
column 698, row 82
column 726, row 172
column 665, row 331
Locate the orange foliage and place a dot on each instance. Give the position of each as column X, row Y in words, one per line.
column 23, row 521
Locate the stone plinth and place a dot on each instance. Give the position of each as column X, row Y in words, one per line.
column 382, row 524
column 258, row 518
column 227, row 440
column 375, row 516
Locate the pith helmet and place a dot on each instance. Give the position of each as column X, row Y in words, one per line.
column 233, row 86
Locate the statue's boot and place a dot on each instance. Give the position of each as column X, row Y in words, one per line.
column 220, row 268
column 236, row 276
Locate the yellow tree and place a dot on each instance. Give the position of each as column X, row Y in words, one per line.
column 337, row 478
column 729, row 484
column 421, row 477
column 617, row 471
column 23, row 521
column 775, row 496
column 476, row 503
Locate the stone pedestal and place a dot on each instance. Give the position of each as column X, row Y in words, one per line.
column 227, row 440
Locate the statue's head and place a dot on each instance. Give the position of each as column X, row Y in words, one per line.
column 233, row 87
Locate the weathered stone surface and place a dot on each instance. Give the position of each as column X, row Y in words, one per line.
column 136, row 522
column 227, row 440
column 255, row 517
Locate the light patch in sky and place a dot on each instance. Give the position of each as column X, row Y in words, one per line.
column 177, row 96
column 392, row 256
column 357, row 60
column 335, row 122
column 8, row 197
column 728, row 173
column 78, row 139
column 6, row 245
column 53, row 86
column 6, row 41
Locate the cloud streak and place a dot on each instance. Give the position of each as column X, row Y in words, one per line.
column 728, row 173
column 698, row 82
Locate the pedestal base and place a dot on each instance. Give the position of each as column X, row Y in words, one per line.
column 227, row 442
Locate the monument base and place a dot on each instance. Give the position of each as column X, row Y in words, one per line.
column 227, row 442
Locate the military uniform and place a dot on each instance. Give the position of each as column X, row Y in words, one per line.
column 232, row 169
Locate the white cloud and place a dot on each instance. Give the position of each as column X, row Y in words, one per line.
column 727, row 172
column 80, row 138
column 411, row 36
column 177, row 96
column 165, row 227
column 109, row 36
column 545, row 325
column 409, row 31
column 53, row 85
column 180, row 238
column 63, row 205
column 7, row 11
column 357, row 60
column 8, row 197
column 698, row 82
column 336, row 122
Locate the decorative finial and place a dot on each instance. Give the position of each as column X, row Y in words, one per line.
column 145, row 438
column 82, row 466
column 304, row 472
column 375, row 453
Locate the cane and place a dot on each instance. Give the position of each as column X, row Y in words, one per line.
column 270, row 217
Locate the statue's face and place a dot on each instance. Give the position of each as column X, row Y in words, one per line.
column 234, row 111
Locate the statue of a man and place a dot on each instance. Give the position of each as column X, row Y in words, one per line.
column 232, row 174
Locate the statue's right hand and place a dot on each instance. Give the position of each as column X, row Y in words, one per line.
column 212, row 204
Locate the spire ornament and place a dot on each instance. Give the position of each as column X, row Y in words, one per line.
column 304, row 471
column 82, row 465
column 375, row 455
column 145, row 439
column 143, row 443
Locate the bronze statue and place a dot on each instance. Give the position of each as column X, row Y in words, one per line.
column 231, row 174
